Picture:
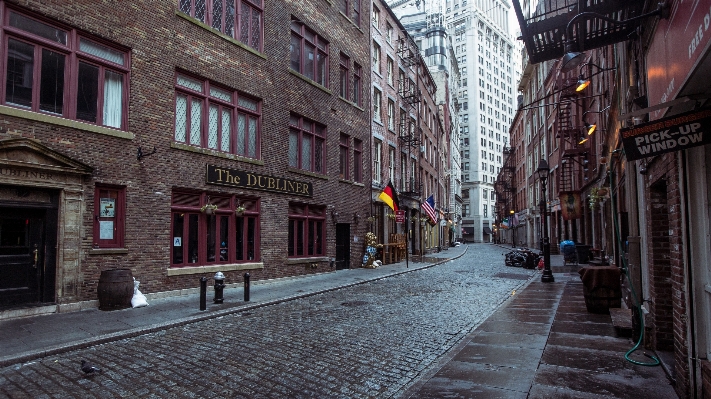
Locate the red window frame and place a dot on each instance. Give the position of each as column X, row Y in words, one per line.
column 76, row 49
column 357, row 160
column 244, row 113
column 304, row 132
column 304, row 39
column 351, row 9
column 357, row 84
column 344, row 157
column 307, row 231
column 344, row 66
column 109, row 207
column 225, row 236
column 240, row 25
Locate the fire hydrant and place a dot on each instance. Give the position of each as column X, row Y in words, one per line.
column 219, row 286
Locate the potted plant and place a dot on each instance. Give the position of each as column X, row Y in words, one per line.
column 240, row 209
column 208, row 209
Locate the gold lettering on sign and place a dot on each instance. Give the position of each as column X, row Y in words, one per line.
column 238, row 178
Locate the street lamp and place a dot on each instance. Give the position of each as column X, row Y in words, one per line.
column 547, row 277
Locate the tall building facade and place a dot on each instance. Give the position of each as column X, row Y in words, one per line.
column 426, row 26
column 489, row 68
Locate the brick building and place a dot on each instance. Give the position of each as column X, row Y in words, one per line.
column 176, row 139
column 634, row 146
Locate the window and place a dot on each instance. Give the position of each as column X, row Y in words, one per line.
column 376, row 58
column 485, row 192
column 345, row 157
column 38, row 76
column 376, row 17
column 344, row 69
column 242, row 20
column 217, row 118
column 390, row 71
column 357, row 84
column 486, row 210
column 389, row 33
column 109, row 216
column 357, row 161
column 391, row 163
column 391, row 114
column 306, row 144
column 307, row 230
column 309, row 53
column 377, row 157
column 377, row 100
column 351, row 8
column 223, row 236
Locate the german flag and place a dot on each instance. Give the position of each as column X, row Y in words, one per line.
column 389, row 196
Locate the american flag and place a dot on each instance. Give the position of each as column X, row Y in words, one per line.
column 428, row 207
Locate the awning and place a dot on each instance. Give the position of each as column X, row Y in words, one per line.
column 487, row 230
column 468, row 230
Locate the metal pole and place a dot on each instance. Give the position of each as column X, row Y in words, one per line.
column 547, row 276
column 203, row 293
column 246, row 287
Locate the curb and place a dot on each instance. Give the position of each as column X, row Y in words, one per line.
column 134, row 332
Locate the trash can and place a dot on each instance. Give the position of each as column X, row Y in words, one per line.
column 115, row 289
column 583, row 252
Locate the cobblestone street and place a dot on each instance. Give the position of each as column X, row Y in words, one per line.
column 368, row 341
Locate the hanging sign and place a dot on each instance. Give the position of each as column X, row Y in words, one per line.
column 399, row 216
column 570, row 205
column 675, row 133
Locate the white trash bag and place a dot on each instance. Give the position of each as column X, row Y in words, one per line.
column 138, row 300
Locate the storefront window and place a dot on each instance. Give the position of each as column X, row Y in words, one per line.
column 200, row 238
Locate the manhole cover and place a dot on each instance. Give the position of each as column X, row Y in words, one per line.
column 354, row 303
column 513, row 276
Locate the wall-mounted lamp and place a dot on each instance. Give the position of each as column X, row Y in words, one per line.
column 334, row 216
column 141, row 154
column 582, row 83
column 592, row 127
column 582, row 140
column 356, row 217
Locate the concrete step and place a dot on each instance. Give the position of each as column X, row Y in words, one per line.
column 622, row 321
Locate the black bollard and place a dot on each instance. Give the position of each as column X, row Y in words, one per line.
column 203, row 293
column 246, row 287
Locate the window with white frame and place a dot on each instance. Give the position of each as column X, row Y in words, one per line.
column 377, row 161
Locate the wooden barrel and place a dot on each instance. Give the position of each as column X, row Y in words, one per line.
column 115, row 289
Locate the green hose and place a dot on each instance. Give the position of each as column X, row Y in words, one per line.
column 638, row 304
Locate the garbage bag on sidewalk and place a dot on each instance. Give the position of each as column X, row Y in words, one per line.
column 138, row 300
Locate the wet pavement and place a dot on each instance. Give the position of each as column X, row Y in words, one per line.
column 465, row 328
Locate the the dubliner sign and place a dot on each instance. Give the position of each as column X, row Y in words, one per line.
column 675, row 133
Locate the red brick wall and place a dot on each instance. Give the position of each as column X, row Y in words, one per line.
column 162, row 42
column 705, row 379
column 666, row 268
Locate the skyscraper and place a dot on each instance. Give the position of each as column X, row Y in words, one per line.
column 489, row 64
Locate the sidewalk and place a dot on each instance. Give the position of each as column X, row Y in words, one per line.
column 543, row 343
column 24, row 339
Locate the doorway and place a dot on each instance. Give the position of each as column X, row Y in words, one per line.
column 27, row 256
column 343, row 246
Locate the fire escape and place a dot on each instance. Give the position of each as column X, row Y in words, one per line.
column 505, row 186
column 409, row 130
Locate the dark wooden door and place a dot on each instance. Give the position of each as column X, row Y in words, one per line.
column 22, row 255
column 343, row 246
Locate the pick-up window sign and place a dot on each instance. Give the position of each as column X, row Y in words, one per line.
column 675, row 133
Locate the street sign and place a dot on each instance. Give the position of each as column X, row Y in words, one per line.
column 399, row 216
